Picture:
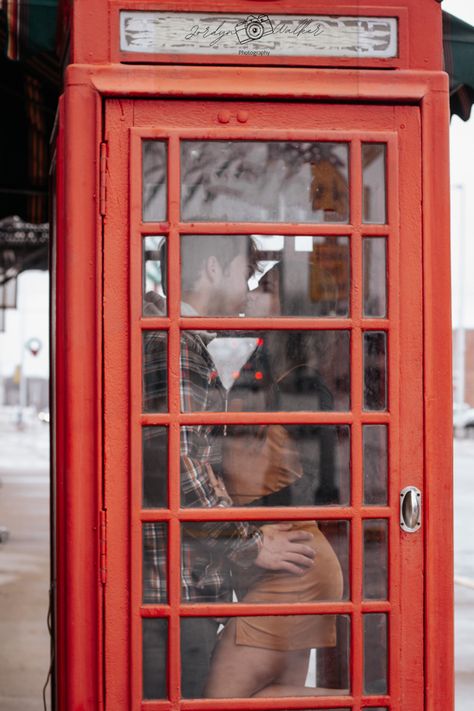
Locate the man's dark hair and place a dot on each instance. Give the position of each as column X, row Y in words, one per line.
column 196, row 249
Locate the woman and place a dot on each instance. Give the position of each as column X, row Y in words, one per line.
column 264, row 466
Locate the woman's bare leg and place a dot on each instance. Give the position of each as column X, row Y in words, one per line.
column 240, row 671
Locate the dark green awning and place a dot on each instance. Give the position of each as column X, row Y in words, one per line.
column 458, row 44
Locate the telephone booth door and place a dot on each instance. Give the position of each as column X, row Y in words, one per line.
column 263, row 381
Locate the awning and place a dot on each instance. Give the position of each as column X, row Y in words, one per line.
column 458, row 44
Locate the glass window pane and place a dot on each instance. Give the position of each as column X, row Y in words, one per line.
column 155, row 467
column 155, row 548
column 155, row 378
column 374, row 183
column 289, row 275
column 375, row 464
column 375, row 559
column 375, row 653
column 375, row 370
column 238, row 667
column 264, row 181
column 375, row 277
column 154, row 271
column 155, row 655
column 155, row 171
column 210, row 551
column 266, row 371
column 291, row 465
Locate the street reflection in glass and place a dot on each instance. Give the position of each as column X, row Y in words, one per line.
column 155, row 656
column 289, row 276
column 374, row 183
column 375, row 440
column 154, row 270
column 154, row 181
column 271, row 655
column 264, row 181
column 375, row 370
column 375, row 653
column 375, row 559
column 269, row 370
column 155, row 377
column 155, row 466
column 375, row 277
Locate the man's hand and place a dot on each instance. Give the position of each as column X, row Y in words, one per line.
column 285, row 549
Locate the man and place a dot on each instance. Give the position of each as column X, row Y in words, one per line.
column 214, row 275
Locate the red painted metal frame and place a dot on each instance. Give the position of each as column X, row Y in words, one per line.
column 78, row 346
column 173, row 323
column 95, row 28
column 307, row 6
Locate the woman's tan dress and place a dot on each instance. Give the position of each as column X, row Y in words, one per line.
column 256, row 465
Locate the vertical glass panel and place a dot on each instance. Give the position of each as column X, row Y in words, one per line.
column 374, row 183
column 284, row 465
column 155, row 655
column 209, row 551
column 375, row 464
column 154, row 270
column 375, row 277
column 266, row 371
column 375, row 559
column 264, row 181
column 375, row 370
column 289, row 275
column 155, row 537
column 237, row 664
column 155, row 466
column 154, row 181
column 375, row 653
column 155, row 378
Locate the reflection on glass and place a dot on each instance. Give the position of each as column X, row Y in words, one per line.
column 374, row 183
column 375, row 277
column 237, row 668
column 155, row 655
column 375, row 464
column 375, row 559
column 375, row 653
column 291, row 465
column 155, row 171
column 154, row 563
column 271, row 181
column 289, row 276
column 155, row 466
column 375, row 370
column 154, row 270
column 267, row 371
column 155, row 379
column 325, row 581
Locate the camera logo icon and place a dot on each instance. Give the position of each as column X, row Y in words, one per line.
column 254, row 27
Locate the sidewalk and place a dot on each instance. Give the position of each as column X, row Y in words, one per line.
column 24, row 566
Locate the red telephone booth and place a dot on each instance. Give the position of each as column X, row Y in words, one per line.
column 252, row 358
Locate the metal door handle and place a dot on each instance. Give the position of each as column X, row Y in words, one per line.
column 410, row 509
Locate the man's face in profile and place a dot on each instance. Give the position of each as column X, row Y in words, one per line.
column 231, row 288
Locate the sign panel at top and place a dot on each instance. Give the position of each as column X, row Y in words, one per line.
column 259, row 35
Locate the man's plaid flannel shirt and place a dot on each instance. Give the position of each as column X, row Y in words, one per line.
column 208, row 549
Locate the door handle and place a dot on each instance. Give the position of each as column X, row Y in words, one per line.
column 410, row 509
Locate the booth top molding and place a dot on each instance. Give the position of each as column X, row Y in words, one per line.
column 286, row 33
